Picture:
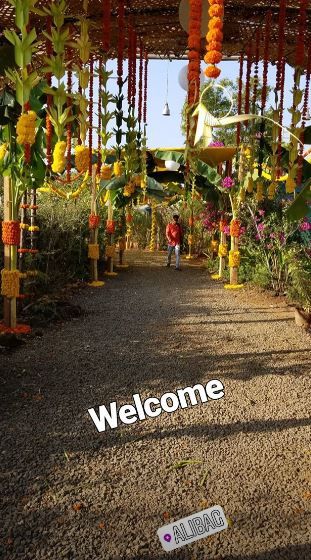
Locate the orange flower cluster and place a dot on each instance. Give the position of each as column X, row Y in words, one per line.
column 11, row 232
column 235, row 228
column 110, row 226
column 194, row 45
column 214, row 38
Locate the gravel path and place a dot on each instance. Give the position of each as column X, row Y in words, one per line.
column 71, row 492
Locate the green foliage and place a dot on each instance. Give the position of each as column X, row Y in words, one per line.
column 300, row 207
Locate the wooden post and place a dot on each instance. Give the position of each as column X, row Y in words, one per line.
column 10, row 256
column 234, row 269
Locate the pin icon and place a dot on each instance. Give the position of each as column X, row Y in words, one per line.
column 167, row 538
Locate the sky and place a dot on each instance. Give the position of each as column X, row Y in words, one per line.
column 164, row 131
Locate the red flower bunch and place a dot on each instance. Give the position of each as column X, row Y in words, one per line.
column 11, row 232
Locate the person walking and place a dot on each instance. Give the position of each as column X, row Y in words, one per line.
column 174, row 238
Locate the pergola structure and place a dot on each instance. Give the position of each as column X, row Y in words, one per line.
column 157, row 24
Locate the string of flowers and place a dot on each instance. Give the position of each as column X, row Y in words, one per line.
column 130, row 64
column 238, row 131
column 69, row 131
column 134, row 70
column 256, row 70
column 281, row 43
column 140, row 83
column 121, row 38
column 194, row 46
column 297, row 98
column 106, row 25
column 145, row 87
column 280, row 118
column 249, row 62
column 264, row 91
column 214, row 38
column 91, row 106
column 304, row 117
column 99, row 124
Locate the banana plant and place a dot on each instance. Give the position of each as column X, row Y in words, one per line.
column 106, row 115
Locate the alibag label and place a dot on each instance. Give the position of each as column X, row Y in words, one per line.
column 193, row 528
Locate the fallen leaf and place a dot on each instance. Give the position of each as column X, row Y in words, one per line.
column 166, row 515
column 230, row 522
column 204, row 504
column 101, row 525
column 307, row 495
column 77, row 506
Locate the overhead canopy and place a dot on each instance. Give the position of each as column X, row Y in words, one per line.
column 157, row 24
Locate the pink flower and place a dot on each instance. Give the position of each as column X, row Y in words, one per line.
column 242, row 230
column 228, row 183
column 216, row 144
column 227, row 230
column 261, row 212
column 261, row 227
column 305, row 226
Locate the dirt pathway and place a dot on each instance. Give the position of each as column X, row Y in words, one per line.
column 71, row 492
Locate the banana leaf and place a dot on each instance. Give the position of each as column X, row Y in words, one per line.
column 300, row 207
column 170, row 155
column 208, row 173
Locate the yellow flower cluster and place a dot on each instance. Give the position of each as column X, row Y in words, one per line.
column 34, row 228
column 222, row 250
column 59, row 160
column 190, row 239
column 129, row 189
column 93, row 252
column 105, row 172
column 234, row 259
column 3, row 149
column 110, row 250
column 214, row 245
column 10, row 283
column 22, row 225
column 26, row 128
column 260, row 192
column 117, row 168
column 82, row 157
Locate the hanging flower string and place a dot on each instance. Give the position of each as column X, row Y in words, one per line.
column 247, row 80
column 264, row 91
column 194, row 46
column 134, row 70
column 281, row 43
column 304, row 117
column 238, row 132
column 130, row 64
column 99, row 124
column 145, row 87
column 91, row 106
column 214, row 38
column 106, row 25
column 69, row 131
column 281, row 116
column 121, row 26
column 140, row 83
column 256, row 71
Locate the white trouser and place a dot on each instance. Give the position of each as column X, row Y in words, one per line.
column 175, row 248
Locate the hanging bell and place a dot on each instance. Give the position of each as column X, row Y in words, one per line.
column 166, row 111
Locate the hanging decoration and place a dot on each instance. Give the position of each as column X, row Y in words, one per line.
column 145, row 87
column 194, row 47
column 240, row 89
column 264, row 91
column 214, row 38
column 91, row 106
column 140, row 84
column 304, row 118
column 106, row 25
column 69, row 131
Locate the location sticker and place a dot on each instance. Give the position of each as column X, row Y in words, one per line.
column 193, row 528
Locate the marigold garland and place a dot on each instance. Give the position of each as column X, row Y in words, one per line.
column 11, row 232
column 121, row 27
column 238, row 130
column 117, row 168
column 106, row 25
column 93, row 251
column 9, row 283
column 145, row 87
column 59, row 159
column 222, row 225
column 222, row 250
column 247, row 80
column 26, row 128
column 214, row 38
column 105, row 172
column 81, row 158
column 91, row 106
column 194, row 45
column 140, row 83
column 3, row 151
column 234, row 259
column 110, row 226
column 235, row 228
column 110, row 251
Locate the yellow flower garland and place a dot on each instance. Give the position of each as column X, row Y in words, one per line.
column 105, row 172
column 93, row 251
column 82, row 157
column 117, row 168
column 234, row 259
column 110, row 250
column 222, row 250
column 9, row 283
column 214, row 245
column 59, row 160
column 26, row 128
column 3, row 149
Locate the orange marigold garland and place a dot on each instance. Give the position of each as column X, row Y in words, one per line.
column 94, row 221
column 194, row 45
column 11, row 232
column 214, row 38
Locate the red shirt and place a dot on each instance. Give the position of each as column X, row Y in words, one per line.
column 174, row 234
